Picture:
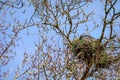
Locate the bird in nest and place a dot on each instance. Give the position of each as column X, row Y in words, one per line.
column 87, row 38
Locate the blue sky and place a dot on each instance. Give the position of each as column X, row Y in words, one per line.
column 27, row 42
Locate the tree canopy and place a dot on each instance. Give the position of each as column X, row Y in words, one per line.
column 59, row 39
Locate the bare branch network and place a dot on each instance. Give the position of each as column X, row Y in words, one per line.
column 56, row 39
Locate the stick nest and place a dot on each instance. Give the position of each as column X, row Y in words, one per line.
column 87, row 51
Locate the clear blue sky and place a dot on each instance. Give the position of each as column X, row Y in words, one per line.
column 26, row 43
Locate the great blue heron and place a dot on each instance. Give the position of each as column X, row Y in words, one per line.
column 87, row 38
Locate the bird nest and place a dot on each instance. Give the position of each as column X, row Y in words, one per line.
column 87, row 51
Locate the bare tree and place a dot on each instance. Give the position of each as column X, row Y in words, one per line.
column 63, row 55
